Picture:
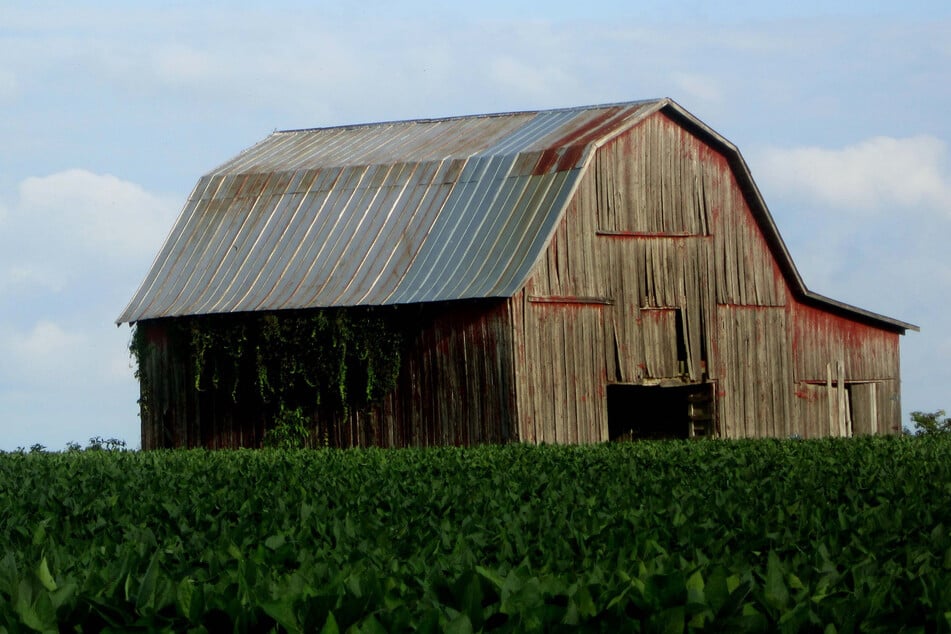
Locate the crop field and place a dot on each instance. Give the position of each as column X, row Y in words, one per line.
column 827, row 536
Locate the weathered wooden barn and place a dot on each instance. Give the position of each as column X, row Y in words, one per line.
column 571, row 275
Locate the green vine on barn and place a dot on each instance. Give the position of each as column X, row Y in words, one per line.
column 331, row 360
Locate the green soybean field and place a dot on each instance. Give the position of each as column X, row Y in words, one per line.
column 721, row 536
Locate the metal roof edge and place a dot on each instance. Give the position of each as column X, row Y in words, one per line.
column 658, row 105
column 854, row 311
column 513, row 113
column 126, row 317
column 244, row 152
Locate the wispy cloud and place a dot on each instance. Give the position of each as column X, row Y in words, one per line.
column 877, row 174
column 72, row 244
column 78, row 210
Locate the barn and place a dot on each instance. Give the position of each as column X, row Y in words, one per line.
column 562, row 276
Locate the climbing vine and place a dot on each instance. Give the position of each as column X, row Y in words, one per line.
column 139, row 349
column 290, row 364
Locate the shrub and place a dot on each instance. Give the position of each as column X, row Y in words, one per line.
column 931, row 423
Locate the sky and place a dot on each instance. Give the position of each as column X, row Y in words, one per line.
column 111, row 111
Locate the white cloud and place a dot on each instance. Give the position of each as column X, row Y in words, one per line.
column 72, row 245
column 73, row 230
column 77, row 210
column 44, row 342
column 65, row 380
column 877, row 174
column 64, row 352
column 44, row 352
column 34, row 275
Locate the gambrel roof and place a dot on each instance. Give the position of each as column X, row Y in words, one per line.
column 399, row 212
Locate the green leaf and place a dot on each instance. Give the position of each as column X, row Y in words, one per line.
column 491, row 576
column 695, row 588
column 671, row 620
column 370, row 625
column 154, row 591
column 8, row 574
column 715, row 589
column 777, row 595
column 43, row 573
column 467, row 592
column 732, row 583
column 63, row 594
column 330, row 625
column 795, row 583
column 582, row 604
column 275, row 541
column 39, row 533
column 283, row 612
column 750, row 610
column 35, row 610
column 459, row 625
column 189, row 599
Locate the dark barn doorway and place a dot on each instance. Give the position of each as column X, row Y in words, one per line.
column 644, row 412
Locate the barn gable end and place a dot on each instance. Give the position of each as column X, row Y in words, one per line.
column 573, row 276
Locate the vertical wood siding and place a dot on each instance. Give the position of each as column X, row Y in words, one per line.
column 561, row 380
column 755, row 372
column 175, row 414
column 655, row 179
column 869, row 356
column 660, row 232
column 456, row 387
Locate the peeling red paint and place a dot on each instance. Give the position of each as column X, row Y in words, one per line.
column 803, row 394
column 594, row 129
column 570, row 157
column 576, row 142
column 546, row 160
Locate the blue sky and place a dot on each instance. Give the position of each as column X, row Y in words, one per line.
column 112, row 111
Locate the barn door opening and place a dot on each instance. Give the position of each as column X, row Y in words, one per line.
column 637, row 412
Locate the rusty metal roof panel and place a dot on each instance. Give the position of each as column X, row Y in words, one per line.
column 397, row 212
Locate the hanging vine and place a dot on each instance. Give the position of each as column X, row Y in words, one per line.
column 140, row 349
column 332, row 360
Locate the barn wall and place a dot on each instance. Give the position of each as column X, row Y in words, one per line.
column 561, row 369
column 455, row 388
column 754, row 369
column 659, row 250
column 174, row 414
column 855, row 365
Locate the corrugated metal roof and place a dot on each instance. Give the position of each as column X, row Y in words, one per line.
column 401, row 212
column 388, row 213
